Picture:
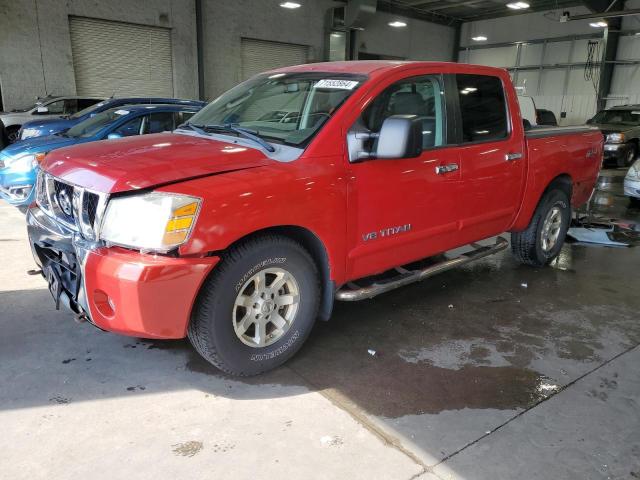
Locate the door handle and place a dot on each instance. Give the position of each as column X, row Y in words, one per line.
column 442, row 169
column 510, row 157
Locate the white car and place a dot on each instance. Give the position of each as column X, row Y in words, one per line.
column 47, row 107
column 632, row 182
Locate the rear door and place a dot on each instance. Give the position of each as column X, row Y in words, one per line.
column 492, row 155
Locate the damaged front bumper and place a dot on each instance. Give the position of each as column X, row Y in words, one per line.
column 118, row 290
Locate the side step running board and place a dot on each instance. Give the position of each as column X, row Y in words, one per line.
column 352, row 292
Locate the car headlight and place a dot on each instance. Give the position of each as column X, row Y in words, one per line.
column 615, row 138
column 29, row 133
column 26, row 162
column 634, row 171
column 155, row 221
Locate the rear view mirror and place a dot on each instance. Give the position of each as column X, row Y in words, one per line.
column 400, row 137
column 113, row 136
column 42, row 110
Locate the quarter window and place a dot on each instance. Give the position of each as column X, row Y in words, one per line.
column 483, row 108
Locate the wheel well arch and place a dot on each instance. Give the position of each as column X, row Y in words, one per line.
column 564, row 182
column 316, row 248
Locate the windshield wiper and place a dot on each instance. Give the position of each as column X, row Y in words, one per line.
column 245, row 132
column 195, row 128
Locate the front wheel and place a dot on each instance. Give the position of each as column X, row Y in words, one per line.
column 629, row 157
column 12, row 134
column 257, row 308
column 542, row 241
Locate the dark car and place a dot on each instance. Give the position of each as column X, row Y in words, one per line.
column 546, row 117
column 621, row 129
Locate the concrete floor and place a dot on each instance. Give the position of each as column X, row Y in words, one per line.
column 493, row 371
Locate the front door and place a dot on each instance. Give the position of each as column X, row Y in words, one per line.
column 404, row 209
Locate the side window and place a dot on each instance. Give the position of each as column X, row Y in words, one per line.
column 70, row 106
column 483, row 108
column 86, row 102
column 159, row 122
column 183, row 117
column 130, row 128
column 420, row 96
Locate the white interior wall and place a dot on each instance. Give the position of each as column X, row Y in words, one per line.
column 547, row 86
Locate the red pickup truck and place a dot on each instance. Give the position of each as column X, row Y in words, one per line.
column 297, row 187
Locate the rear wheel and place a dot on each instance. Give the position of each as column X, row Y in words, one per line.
column 258, row 307
column 542, row 241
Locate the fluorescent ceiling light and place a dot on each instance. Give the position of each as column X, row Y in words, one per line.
column 598, row 24
column 479, row 38
column 518, row 5
column 290, row 5
column 397, row 24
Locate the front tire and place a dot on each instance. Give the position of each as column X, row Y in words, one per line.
column 629, row 157
column 542, row 240
column 12, row 134
column 258, row 306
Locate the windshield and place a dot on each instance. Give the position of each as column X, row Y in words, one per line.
column 283, row 108
column 93, row 125
column 87, row 110
column 38, row 103
column 618, row 117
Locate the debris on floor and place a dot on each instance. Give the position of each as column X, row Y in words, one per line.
column 331, row 441
column 600, row 236
column 524, row 285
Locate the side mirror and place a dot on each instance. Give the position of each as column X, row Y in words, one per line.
column 113, row 136
column 400, row 137
column 42, row 110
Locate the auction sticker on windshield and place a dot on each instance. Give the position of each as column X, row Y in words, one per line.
column 338, row 84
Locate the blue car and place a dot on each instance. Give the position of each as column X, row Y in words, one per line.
column 19, row 162
column 51, row 126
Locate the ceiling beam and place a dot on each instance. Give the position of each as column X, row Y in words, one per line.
column 455, row 5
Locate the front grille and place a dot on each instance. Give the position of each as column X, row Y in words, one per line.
column 75, row 207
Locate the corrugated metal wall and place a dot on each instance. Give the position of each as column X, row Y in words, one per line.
column 121, row 58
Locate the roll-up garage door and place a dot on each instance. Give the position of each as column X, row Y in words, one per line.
column 121, row 58
column 260, row 55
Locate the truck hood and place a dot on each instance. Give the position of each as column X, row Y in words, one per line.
column 133, row 163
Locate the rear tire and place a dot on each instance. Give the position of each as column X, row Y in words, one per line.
column 257, row 307
column 542, row 240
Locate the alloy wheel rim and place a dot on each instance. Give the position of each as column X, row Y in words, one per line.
column 266, row 307
column 551, row 229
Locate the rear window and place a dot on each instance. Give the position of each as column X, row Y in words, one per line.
column 483, row 108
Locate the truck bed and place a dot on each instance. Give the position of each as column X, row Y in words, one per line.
column 573, row 152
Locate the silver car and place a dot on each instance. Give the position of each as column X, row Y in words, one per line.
column 632, row 182
column 47, row 107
